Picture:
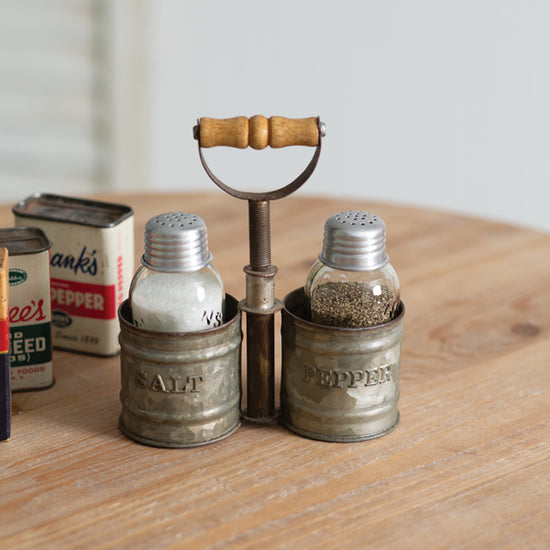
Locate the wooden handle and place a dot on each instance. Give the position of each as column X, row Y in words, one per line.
column 258, row 132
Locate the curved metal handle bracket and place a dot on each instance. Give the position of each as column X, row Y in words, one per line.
column 266, row 195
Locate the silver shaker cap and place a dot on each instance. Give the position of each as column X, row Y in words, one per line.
column 176, row 242
column 354, row 241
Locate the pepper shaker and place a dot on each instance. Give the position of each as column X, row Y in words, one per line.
column 352, row 284
column 341, row 337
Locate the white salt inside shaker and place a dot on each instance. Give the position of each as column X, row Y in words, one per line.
column 177, row 288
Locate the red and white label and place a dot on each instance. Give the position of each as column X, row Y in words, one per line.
column 4, row 336
column 84, row 299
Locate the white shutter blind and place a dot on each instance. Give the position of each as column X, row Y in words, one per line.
column 53, row 105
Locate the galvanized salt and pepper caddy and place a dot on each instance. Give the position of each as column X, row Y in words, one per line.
column 338, row 384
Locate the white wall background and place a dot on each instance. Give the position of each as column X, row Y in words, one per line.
column 440, row 104
column 54, row 113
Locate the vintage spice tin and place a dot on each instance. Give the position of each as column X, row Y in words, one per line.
column 30, row 341
column 339, row 384
column 92, row 263
column 180, row 389
column 5, row 390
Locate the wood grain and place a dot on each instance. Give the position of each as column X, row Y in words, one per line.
column 468, row 466
column 288, row 131
column 258, row 127
column 229, row 132
column 258, row 132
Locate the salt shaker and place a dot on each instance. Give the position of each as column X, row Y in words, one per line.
column 176, row 288
column 352, row 284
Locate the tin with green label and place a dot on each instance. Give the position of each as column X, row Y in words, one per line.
column 30, row 335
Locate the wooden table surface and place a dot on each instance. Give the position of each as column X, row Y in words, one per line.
column 468, row 466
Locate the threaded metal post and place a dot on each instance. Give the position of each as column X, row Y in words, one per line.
column 259, row 234
column 259, row 323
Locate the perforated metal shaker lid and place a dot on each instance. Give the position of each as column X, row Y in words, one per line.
column 354, row 241
column 175, row 242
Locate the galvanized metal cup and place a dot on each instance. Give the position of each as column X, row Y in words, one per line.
column 180, row 389
column 339, row 384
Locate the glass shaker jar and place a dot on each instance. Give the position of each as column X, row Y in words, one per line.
column 352, row 284
column 176, row 288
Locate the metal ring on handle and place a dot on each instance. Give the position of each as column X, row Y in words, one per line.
column 266, row 195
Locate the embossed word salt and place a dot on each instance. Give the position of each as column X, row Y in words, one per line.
column 176, row 289
column 352, row 284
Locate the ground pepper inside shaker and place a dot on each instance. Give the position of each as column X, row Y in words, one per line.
column 352, row 284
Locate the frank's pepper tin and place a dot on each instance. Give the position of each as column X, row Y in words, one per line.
column 30, row 341
column 5, row 394
column 92, row 263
